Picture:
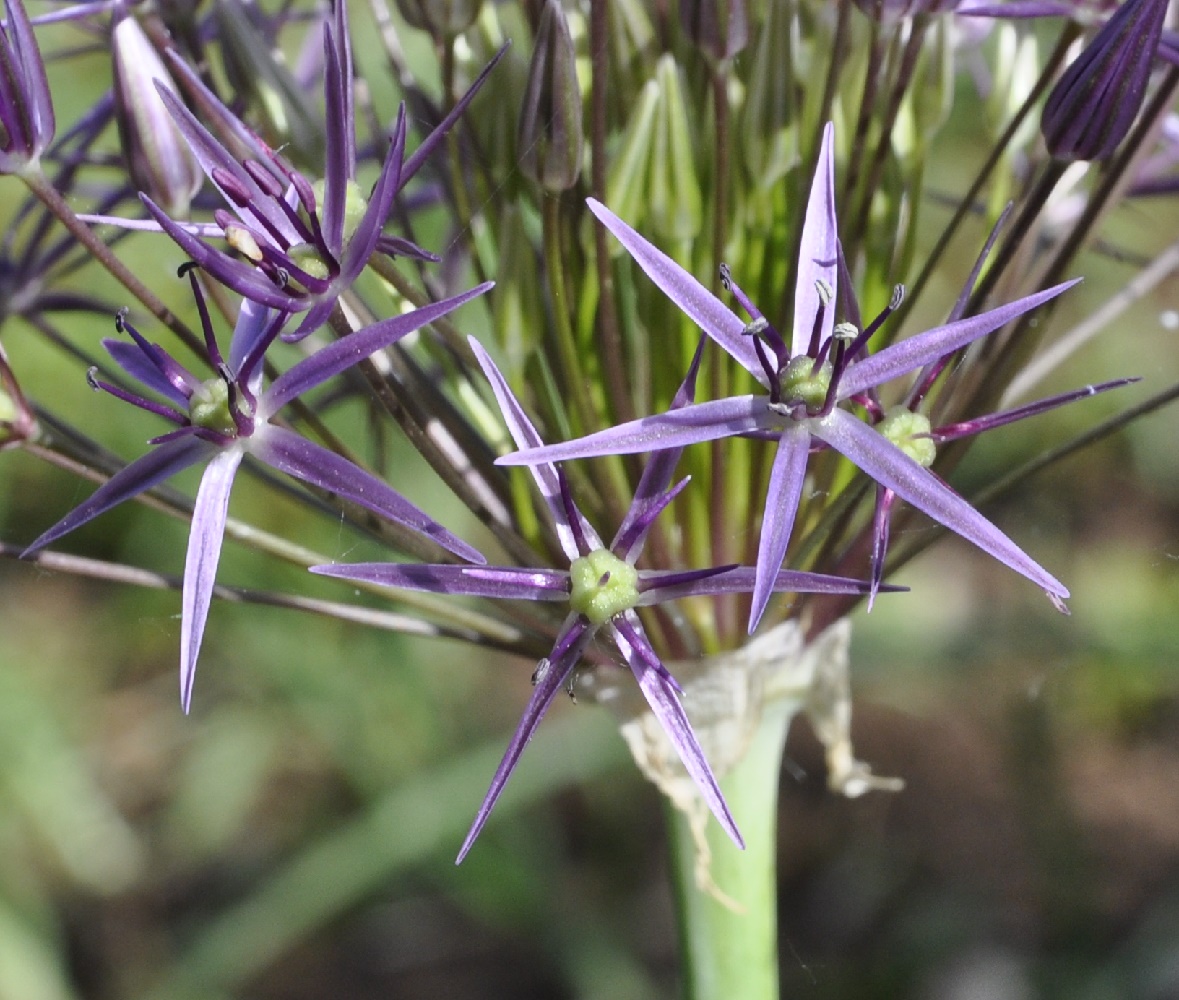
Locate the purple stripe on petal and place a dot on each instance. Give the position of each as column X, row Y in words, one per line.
column 200, row 565
column 296, row 456
column 892, row 468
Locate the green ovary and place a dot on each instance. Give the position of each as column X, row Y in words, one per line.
column 209, row 407
column 355, row 205
column 902, row 427
column 602, row 586
column 802, row 384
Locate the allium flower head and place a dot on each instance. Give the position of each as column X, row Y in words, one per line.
column 220, row 420
column 26, row 109
column 306, row 243
column 804, row 381
column 603, row 587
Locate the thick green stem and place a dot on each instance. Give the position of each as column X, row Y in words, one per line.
column 729, row 948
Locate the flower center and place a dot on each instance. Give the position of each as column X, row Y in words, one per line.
column 602, row 586
column 902, row 426
column 208, row 407
column 802, row 384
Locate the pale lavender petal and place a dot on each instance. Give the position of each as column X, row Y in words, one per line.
column 691, row 425
column 785, row 490
column 819, row 253
column 892, row 468
column 507, row 583
column 200, row 565
column 702, row 307
column 355, row 347
column 924, row 348
column 572, row 642
column 253, row 320
column 142, row 474
column 665, row 705
column 672, row 585
column 525, row 434
column 296, row 456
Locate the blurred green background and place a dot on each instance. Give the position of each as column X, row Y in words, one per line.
column 294, row 836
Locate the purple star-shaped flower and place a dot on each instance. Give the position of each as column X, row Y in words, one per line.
column 222, row 419
column 303, row 248
column 805, row 380
column 603, row 588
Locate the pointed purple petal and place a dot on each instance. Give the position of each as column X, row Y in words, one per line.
column 200, row 565
column 525, row 434
column 355, row 347
column 253, row 320
column 665, row 705
column 364, row 240
column 296, row 456
column 340, row 157
column 500, row 582
column 785, row 489
column 33, row 84
column 819, row 253
column 700, row 305
column 924, row 348
column 628, row 543
column 570, row 645
column 691, row 425
column 134, row 362
column 892, row 468
column 672, row 585
column 142, row 474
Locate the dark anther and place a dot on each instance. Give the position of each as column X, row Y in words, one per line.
column 183, row 269
column 92, row 377
column 726, row 276
column 541, row 671
column 121, row 320
column 755, row 327
column 898, row 296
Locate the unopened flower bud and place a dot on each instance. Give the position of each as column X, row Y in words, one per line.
column 718, row 27
column 26, row 110
column 549, row 139
column 675, row 205
column 157, row 155
column 1095, row 102
column 442, row 19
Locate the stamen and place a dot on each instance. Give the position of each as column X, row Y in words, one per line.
column 234, row 189
column 263, row 178
column 541, row 671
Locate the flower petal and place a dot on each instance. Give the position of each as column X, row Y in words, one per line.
column 782, row 496
column 691, row 425
column 665, row 704
column 570, row 645
column 355, row 347
column 525, row 434
column 924, row 348
column 672, row 585
column 503, row 582
column 200, row 565
column 702, row 307
column 142, row 474
column 819, row 253
column 892, row 468
column 296, row 456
